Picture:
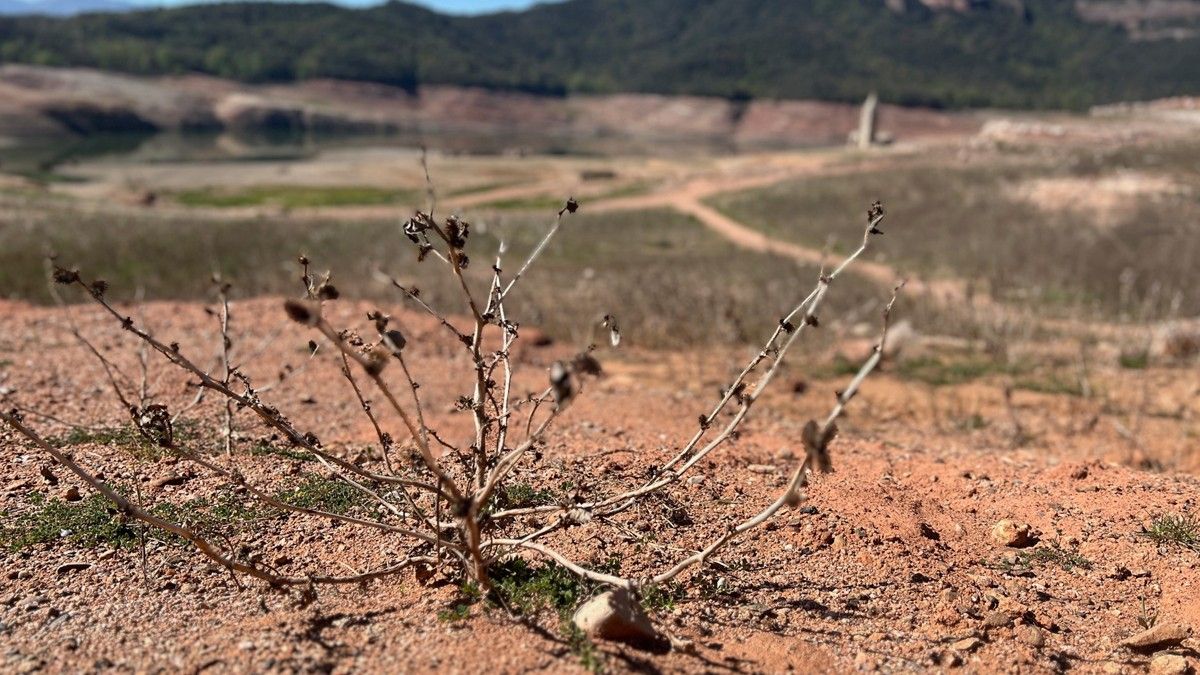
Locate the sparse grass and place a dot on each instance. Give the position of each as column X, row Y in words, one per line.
column 223, row 514
column 88, row 523
column 937, row 372
column 482, row 187
column 1134, row 360
column 1054, row 383
column 268, row 450
column 584, row 649
column 520, row 495
column 528, row 590
column 972, row 422
column 673, row 282
column 1180, row 530
column 323, row 494
column 292, row 196
column 125, row 437
column 536, row 203
column 93, row 521
column 1042, row 556
column 972, row 226
column 663, row 598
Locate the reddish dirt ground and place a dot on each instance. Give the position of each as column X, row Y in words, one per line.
column 888, row 564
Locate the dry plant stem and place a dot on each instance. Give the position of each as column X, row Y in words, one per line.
column 269, row 415
column 533, row 255
column 384, row 442
column 470, row 524
column 420, row 302
column 566, row 562
column 203, row 545
column 226, row 343
column 237, row 478
column 447, row 484
column 800, row 476
column 689, row 455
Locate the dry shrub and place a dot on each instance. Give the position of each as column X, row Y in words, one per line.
column 456, row 505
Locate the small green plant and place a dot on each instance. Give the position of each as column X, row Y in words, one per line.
column 936, row 372
column 94, row 521
column 125, row 437
column 972, row 422
column 88, row 523
column 223, row 514
column 1134, row 360
column 527, row 590
column 1052, row 383
column 291, row 196
column 1182, row 530
column 457, row 612
column 520, row 495
column 323, row 494
column 265, row 449
column 582, row 647
column 663, row 598
column 1042, row 556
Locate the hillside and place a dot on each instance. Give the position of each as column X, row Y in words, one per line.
column 962, row 53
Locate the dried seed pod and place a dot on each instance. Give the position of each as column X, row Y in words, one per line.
column 65, row 276
column 875, row 212
column 816, row 443
column 614, row 331
column 586, row 364
column 376, row 359
column 393, row 340
column 560, row 382
column 571, row 206
column 328, row 291
column 307, row 312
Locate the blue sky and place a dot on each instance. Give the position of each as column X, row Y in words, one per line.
column 475, row 6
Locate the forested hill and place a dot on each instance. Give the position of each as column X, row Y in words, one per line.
column 951, row 53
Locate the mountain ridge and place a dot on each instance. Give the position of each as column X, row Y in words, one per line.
column 940, row 53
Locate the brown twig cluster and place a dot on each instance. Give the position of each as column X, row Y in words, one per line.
column 445, row 504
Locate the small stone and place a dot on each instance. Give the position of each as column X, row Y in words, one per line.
column 1013, row 534
column 174, row 479
column 48, row 475
column 1159, row 637
column 999, row 619
column 71, row 494
column 762, row 468
column 1169, row 664
column 1032, row 636
column 16, row 485
column 967, row 645
column 695, row 480
column 615, row 615
column 864, row 661
column 73, row 566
